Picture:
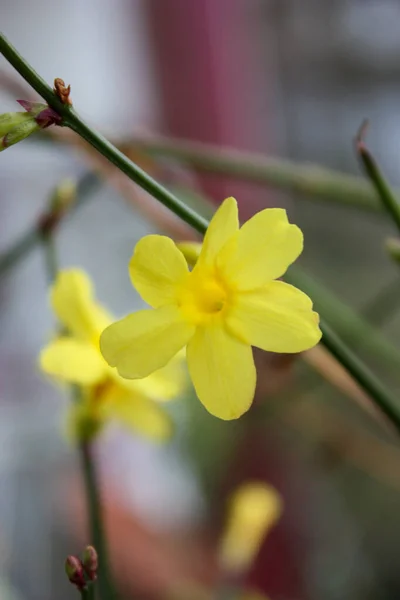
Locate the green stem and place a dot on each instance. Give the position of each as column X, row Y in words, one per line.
column 91, row 592
column 96, row 521
column 134, row 172
column 72, row 120
column 377, row 179
column 29, row 74
column 308, row 180
column 372, row 385
column 86, row 593
column 389, row 404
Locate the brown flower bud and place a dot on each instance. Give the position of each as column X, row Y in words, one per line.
column 62, row 91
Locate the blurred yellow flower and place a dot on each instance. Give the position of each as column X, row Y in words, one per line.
column 226, row 304
column 74, row 357
column 253, row 510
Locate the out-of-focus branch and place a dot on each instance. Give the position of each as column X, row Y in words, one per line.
column 351, row 326
column 47, row 223
column 310, row 180
column 345, row 441
column 305, row 179
column 332, row 371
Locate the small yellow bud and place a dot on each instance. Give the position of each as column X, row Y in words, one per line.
column 16, row 126
column 253, row 509
column 64, row 195
column 190, row 250
column 392, row 246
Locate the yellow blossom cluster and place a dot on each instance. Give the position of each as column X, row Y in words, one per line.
column 228, row 302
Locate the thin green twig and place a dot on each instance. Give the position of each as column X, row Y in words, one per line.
column 70, row 118
column 384, row 192
column 307, row 179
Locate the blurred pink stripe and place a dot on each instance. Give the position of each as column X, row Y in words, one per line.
column 210, row 79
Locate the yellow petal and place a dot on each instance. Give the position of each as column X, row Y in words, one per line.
column 156, row 268
column 264, row 248
column 190, row 250
column 137, row 413
column 74, row 361
column 72, row 301
column 162, row 385
column 223, row 372
column 222, row 227
column 277, row 318
column 145, row 341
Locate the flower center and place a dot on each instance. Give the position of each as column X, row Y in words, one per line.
column 210, row 297
column 202, row 297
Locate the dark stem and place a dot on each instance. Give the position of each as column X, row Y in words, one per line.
column 86, row 594
column 18, row 250
column 96, row 521
column 50, row 255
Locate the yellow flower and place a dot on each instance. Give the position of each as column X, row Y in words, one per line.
column 253, row 510
column 75, row 357
column 226, row 304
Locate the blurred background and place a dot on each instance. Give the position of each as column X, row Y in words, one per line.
column 287, row 78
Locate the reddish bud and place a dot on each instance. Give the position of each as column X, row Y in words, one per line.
column 90, row 561
column 42, row 113
column 74, row 571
